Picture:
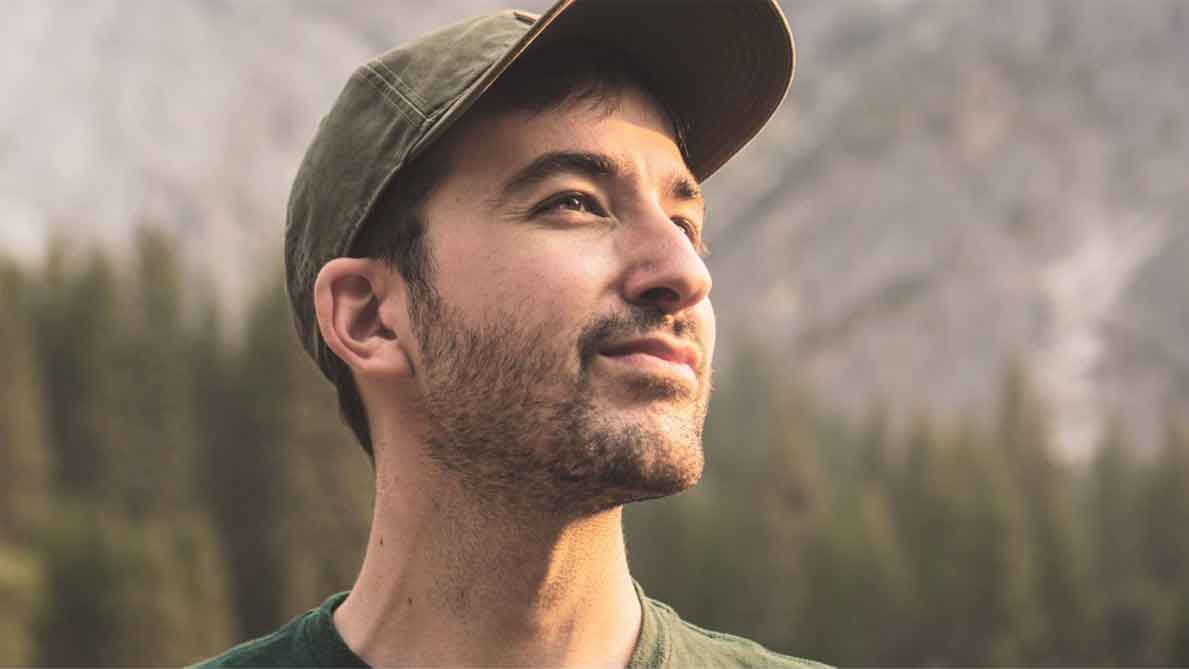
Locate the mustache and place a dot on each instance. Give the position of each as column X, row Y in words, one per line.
column 637, row 321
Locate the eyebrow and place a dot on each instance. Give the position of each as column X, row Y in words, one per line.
column 545, row 166
column 683, row 187
column 588, row 164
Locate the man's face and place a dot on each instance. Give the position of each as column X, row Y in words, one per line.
column 564, row 356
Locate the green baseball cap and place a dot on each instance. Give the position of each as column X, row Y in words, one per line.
column 721, row 66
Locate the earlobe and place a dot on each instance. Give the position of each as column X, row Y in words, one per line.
column 350, row 296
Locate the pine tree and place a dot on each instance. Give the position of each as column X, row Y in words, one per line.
column 1175, row 650
column 857, row 586
column 218, row 441
column 791, row 493
column 1059, row 576
column 130, row 593
column 1126, row 614
column 995, row 608
column 160, row 479
column 25, row 465
column 1112, row 509
column 22, row 596
column 79, row 322
column 1163, row 547
column 25, row 475
column 243, row 465
column 873, row 461
column 927, row 502
column 134, row 567
column 1166, row 510
column 158, row 433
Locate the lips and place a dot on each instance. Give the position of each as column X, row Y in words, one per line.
column 658, row 347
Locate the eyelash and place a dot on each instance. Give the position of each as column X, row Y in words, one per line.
column 592, row 206
column 691, row 231
column 555, row 202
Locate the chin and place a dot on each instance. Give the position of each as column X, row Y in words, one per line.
column 633, row 463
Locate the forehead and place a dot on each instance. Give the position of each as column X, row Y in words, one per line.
column 627, row 124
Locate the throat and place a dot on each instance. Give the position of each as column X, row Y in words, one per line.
column 467, row 588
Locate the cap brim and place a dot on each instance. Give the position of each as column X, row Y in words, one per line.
column 720, row 66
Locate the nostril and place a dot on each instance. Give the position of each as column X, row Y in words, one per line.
column 660, row 295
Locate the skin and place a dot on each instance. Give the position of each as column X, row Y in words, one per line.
column 507, row 429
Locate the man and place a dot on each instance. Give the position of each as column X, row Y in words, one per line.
column 494, row 251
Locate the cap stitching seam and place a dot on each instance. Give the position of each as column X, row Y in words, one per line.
column 387, row 91
column 444, row 106
column 438, row 112
column 398, row 83
column 360, row 211
column 394, row 97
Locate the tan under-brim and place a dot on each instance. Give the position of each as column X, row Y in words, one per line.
column 721, row 66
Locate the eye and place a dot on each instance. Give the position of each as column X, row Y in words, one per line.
column 581, row 203
column 694, row 233
column 688, row 228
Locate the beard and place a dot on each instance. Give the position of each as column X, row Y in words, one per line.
column 513, row 412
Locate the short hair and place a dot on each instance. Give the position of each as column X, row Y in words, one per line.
column 394, row 231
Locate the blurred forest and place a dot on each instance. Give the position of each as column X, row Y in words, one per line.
column 171, row 485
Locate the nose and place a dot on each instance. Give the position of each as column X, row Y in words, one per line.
column 666, row 272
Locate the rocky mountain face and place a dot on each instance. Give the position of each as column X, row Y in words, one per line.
column 949, row 187
column 956, row 185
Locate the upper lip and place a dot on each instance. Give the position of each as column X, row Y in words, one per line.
column 664, row 348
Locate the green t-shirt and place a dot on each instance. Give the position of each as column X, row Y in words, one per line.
column 666, row 641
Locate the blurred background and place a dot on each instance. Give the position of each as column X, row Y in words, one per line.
column 951, row 277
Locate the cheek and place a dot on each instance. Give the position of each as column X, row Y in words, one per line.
column 558, row 293
column 536, row 285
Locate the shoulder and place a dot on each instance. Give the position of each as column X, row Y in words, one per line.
column 304, row 641
column 274, row 650
column 282, row 648
column 691, row 645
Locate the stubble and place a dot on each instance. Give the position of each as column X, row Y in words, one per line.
column 515, row 418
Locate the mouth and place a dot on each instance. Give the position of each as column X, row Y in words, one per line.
column 655, row 355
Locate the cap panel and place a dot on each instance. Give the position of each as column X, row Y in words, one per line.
column 443, row 65
column 358, row 144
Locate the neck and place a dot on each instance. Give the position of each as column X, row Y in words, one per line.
column 450, row 581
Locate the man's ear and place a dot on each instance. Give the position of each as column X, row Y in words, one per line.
column 349, row 300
